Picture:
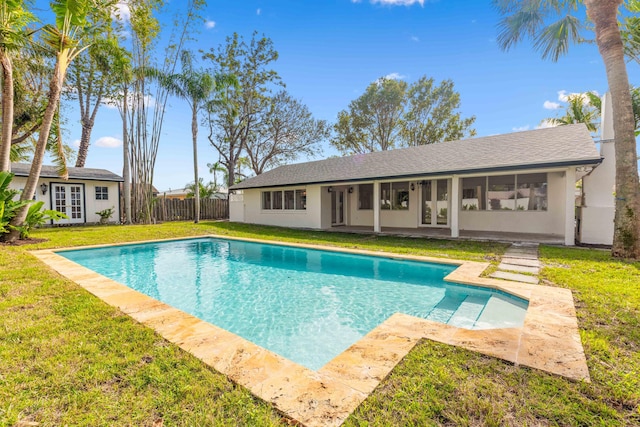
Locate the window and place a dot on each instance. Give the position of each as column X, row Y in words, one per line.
column 289, row 199
column 501, row 194
column 473, row 191
column 525, row 192
column 394, row 195
column 532, row 192
column 102, row 193
column 276, row 200
column 266, row 200
column 301, row 200
column 365, row 196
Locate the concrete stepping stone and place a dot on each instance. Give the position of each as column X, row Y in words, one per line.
column 515, row 277
column 518, row 268
column 526, row 262
column 520, row 255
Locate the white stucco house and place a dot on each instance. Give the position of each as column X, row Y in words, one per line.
column 86, row 192
column 522, row 183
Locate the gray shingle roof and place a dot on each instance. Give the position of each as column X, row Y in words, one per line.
column 22, row 169
column 558, row 146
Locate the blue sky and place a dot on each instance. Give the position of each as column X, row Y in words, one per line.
column 330, row 50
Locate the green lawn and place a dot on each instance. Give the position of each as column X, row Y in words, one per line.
column 66, row 358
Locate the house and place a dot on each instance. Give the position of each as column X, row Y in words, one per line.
column 181, row 194
column 86, row 192
column 520, row 182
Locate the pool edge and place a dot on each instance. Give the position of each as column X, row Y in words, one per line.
column 549, row 339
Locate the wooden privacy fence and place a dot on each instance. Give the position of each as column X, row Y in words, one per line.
column 179, row 210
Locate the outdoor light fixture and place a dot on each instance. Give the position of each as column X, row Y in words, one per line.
column 350, row 189
column 44, row 188
column 330, row 189
column 413, row 186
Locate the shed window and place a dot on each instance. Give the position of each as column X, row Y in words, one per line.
column 102, row 193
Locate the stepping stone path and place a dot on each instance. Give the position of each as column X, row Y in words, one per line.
column 518, row 259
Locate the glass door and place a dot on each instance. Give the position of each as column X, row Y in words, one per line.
column 337, row 207
column 435, row 203
column 69, row 200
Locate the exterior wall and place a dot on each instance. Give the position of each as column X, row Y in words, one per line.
column 91, row 205
column 598, row 209
column 550, row 221
column 251, row 209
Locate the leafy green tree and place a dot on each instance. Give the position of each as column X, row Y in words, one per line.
column 196, row 87
column 14, row 18
column 534, row 19
column 392, row 113
column 65, row 40
column 92, row 76
column 372, row 121
column 431, row 114
column 206, row 191
column 286, row 130
column 235, row 122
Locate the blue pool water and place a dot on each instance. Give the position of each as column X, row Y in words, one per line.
column 306, row 305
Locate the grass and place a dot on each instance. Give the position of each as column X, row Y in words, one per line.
column 66, row 358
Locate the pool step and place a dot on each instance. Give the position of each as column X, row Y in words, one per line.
column 468, row 312
column 446, row 308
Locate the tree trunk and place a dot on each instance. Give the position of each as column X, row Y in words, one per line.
column 84, row 144
column 7, row 112
column 196, row 191
column 29, row 191
column 626, row 238
column 126, row 167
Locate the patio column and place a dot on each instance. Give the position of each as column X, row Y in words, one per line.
column 569, row 210
column 455, row 206
column 376, row 207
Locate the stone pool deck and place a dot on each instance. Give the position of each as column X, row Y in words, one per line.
column 549, row 340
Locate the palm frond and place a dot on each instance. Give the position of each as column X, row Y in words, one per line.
column 554, row 40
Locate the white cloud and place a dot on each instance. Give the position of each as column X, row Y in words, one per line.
column 259, row 11
column 398, row 2
column 563, row 96
column 415, row 39
column 208, row 24
column 521, row 128
column 394, row 76
column 109, row 142
column 546, row 124
column 550, row 105
column 121, row 11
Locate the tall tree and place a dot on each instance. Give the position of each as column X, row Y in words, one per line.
column 372, row 121
column 531, row 18
column 392, row 113
column 581, row 108
column 432, row 114
column 65, row 40
column 286, row 131
column 196, row 87
column 14, row 18
column 234, row 122
column 92, row 77
column 144, row 119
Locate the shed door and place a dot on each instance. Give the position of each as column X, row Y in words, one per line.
column 69, row 199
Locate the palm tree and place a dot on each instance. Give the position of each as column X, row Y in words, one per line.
column 530, row 18
column 13, row 19
column 196, row 87
column 63, row 39
column 581, row 108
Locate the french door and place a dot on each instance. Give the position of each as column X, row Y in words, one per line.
column 69, row 199
column 435, row 203
column 337, row 207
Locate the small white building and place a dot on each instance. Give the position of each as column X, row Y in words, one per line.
column 520, row 183
column 86, row 192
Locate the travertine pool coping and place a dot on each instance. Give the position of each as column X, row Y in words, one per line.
column 549, row 339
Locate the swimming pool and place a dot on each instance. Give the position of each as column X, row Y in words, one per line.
column 307, row 305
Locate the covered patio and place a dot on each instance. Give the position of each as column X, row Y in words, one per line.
column 445, row 233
